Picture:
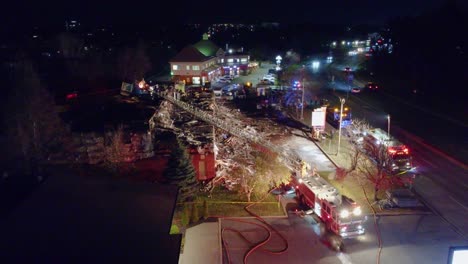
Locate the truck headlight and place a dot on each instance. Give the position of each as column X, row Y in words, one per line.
column 357, row 211
column 344, row 213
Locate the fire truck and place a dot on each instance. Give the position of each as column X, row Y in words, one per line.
column 339, row 213
column 333, row 116
column 399, row 158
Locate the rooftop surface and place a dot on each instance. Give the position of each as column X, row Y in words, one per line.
column 86, row 219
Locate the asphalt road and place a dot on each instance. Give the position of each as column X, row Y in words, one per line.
column 445, row 179
column 404, row 239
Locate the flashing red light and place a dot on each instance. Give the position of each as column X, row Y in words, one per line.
column 406, row 150
column 392, row 151
column 71, row 96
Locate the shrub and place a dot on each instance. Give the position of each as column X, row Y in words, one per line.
column 174, row 230
column 194, row 217
column 185, row 217
column 205, row 209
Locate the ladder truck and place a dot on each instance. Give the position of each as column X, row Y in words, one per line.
column 340, row 214
column 398, row 155
column 333, row 116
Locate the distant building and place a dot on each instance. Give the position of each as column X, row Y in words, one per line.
column 235, row 61
column 72, row 25
column 203, row 61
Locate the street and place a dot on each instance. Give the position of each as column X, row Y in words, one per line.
column 444, row 185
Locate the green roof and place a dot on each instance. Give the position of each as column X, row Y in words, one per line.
column 206, row 47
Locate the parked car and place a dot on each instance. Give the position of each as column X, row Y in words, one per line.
column 224, row 81
column 355, row 90
column 229, row 77
column 267, row 81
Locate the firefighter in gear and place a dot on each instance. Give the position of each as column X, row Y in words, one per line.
column 304, row 168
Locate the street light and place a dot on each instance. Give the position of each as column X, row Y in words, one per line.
column 303, row 88
column 388, row 126
column 342, row 101
column 302, row 108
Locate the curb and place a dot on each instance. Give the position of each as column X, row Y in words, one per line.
column 401, row 213
column 220, row 241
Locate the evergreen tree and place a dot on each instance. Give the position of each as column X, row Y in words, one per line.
column 180, row 172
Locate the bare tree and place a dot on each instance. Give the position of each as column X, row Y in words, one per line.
column 355, row 133
column 117, row 153
column 261, row 176
column 70, row 45
column 133, row 63
column 34, row 128
column 374, row 170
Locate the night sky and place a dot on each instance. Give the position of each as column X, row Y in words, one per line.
column 186, row 11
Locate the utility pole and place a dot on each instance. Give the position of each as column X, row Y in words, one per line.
column 302, row 108
column 303, row 88
column 388, row 126
column 342, row 101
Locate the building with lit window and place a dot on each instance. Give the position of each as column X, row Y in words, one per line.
column 203, row 61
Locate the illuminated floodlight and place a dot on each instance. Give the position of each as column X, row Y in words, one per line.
column 334, row 43
column 343, row 42
column 357, row 211
column 344, row 214
column 315, row 64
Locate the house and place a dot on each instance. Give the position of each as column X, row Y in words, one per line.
column 203, row 61
column 194, row 66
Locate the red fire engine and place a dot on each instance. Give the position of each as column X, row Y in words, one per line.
column 339, row 213
column 399, row 157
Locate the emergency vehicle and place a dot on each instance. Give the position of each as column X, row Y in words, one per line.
column 399, row 158
column 339, row 213
column 333, row 116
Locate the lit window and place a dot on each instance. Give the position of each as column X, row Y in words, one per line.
column 195, row 67
column 175, row 67
column 243, row 60
column 187, row 67
column 230, row 60
column 222, row 60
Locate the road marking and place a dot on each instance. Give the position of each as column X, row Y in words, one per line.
column 423, row 160
column 455, row 200
column 344, row 258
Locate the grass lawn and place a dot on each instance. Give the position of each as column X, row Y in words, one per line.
column 224, row 203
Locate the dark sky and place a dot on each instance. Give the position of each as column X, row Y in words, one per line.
column 135, row 12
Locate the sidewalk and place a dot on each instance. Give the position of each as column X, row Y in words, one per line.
column 350, row 186
column 202, row 244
